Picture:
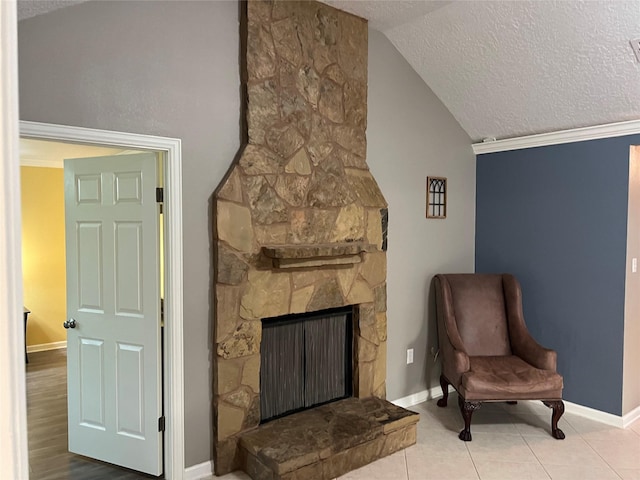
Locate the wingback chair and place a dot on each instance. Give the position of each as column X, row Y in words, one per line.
column 487, row 352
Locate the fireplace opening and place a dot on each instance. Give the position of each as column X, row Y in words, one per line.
column 306, row 361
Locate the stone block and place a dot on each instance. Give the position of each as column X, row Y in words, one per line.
column 328, row 190
column 267, row 295
column 400, row 439
column 287, row 44
column 274, row 234
column 262, row 110
column 311, row 226
column 326, row 295
column 380, row 297
column 261, row 54
column 292, row 188
column 234, row 226
column 227, row 301
column 300, row 299
column 231, row 269
column 365, row 187
column 355, row 104
column 284, row 140
column 294, row 108
column 346, row 276
column 364, row 375
column 381, row 326
column 350, row 138
column 330, row 101
column 226, row 456
column 245, row 340
column 367, row 351
column 374, row 227
column 352, row 458
column 232, row 188
column 259, row 160
column 230, row 420
column 374, row 268
column 349, row 225
column 240, row 398
column 266, row 206
column 299, row 163
column 334, row 73
column 360, row 292
column 228, row 375
column 251, row 372
column 380, row 367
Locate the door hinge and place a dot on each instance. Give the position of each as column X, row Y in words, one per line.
column 159, row 194
column 161, row 423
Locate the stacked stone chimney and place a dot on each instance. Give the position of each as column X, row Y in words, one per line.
column 298, row 218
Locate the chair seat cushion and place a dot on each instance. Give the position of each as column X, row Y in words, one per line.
column 508, row 378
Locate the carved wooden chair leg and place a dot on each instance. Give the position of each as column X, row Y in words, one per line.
column 467, row 409
column 444, row 384
column 558, row 410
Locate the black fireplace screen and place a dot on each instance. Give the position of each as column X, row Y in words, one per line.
column 306, row 360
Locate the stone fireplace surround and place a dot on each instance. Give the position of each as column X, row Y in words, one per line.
column 298, row 218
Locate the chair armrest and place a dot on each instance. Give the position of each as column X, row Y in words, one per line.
column 533, row 353
column 522, row 343
column 461, row 361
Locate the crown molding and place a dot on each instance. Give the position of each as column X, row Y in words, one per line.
column 33, row 162
column 582, row 134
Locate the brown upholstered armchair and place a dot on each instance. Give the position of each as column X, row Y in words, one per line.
column 487, row 352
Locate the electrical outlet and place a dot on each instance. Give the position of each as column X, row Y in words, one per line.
column 635, row 46
column 409, row 356
column 634, row 265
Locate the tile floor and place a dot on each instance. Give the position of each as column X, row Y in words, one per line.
column 510, row 442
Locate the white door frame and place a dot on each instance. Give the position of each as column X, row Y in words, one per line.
column 173, row 342
column 13, row 404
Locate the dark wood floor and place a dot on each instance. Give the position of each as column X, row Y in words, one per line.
column 47, row 426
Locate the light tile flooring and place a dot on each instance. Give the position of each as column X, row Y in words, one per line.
column 510, row 442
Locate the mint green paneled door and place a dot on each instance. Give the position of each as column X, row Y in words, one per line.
column 113, row 309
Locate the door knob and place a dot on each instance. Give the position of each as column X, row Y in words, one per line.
column 71, row 323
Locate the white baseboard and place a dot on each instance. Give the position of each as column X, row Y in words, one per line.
column 631, row 417
column 42, row 347
column 593, row 414
column 419, row 397
column 199, row 471
column 570, row 407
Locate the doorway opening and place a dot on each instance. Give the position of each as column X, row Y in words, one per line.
column 169, row 155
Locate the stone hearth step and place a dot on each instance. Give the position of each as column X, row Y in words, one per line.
column 327, row 441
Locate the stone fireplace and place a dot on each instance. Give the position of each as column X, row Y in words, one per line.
column 298, row 218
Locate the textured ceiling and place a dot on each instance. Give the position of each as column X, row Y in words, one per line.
column 507, row 68
column 31, row 8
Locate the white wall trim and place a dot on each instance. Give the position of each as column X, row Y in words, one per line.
column 593, row 414
column 570, row 407
column 13, row 406
column 43, row 347
column 419, row 397
column 174, row 360
column 32, row 162
column 631, row 417
column 196, row 472
column 609, row 130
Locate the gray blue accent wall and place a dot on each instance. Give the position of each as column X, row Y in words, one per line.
column 556, row 217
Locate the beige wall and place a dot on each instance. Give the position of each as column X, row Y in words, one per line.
column 43, row 258
column 171, row 69
column 410, row 135
column 631, row 356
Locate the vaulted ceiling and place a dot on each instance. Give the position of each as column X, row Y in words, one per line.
column 511, row 68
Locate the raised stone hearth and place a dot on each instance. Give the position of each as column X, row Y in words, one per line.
column 298, row 218
column 328, row 441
